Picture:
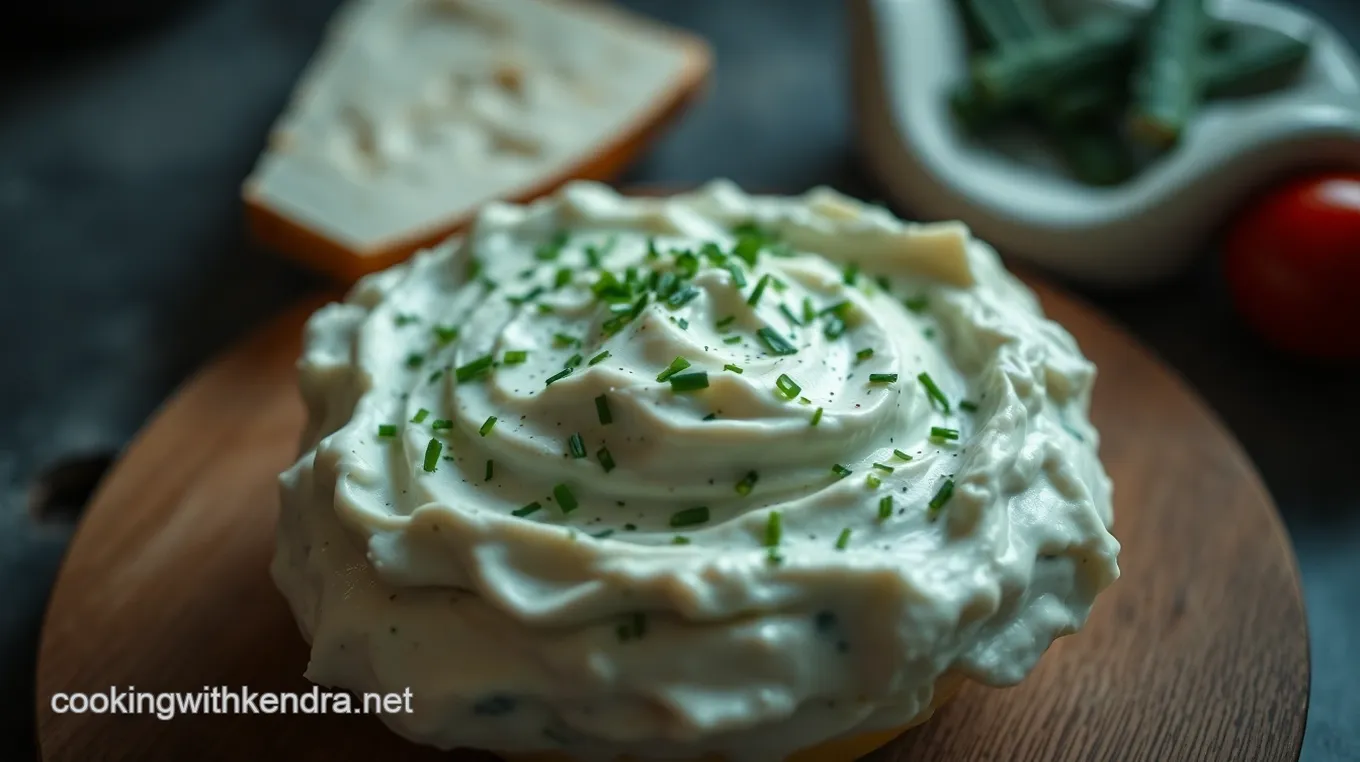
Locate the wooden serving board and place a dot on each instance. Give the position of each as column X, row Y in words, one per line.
column 1199, row 651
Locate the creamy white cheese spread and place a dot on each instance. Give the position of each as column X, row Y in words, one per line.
column 707, row 473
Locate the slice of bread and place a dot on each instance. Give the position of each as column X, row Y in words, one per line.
column 416, row 112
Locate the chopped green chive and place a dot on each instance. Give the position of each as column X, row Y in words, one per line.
column 774, row 529
column 809, row 311
column 602, row 534
column 968, row 406
column 710, row 417
column 840, row 471
column 602, row 410
column 487, row 425
column 525, row 298
column 759, row 290
column 574, row 360
column 863, row 354
column 750, row 229
column 883, row 282
column 562, row 277
column 884, row 467
column 445, row 334
column 786, row 387
column 473, row 268
column 432, row 451
column 844, row 540
column 835, row 328
column 565, row 499
column 713, row 252
column 929, row 332
column 489, row 468
column 402, row 320
column 738, row 277
column 872, row 481
column 941, row 497
column 723, row 323
column 851, row 274
column 747, row 249
column 732, row 340
column 679, row 539
column 652, row 253
column 689, row 382
column 548, row 251
column 777, row 344
column 415, row 360
column 420, row 416
column 435, row 376
column 515, row 357
column 687, row 264
column 562, row 340
column 576, row 446
column 666, row 285
column 789, row 316
column 918, row 303
column 441, row 424
column 747, row 483
column 816, row 417
column 677, row 365
column 682, row 297
column 804, row 401
column 901, row 455
column 885, row 506
column 779, row 285
column 882, row 378
column 840, row 309
column 474, row 369
column 774, row 558
column 526, row 510
column 597, row 359
column 558, row 376
column 734, row 368
column 937, row 432
column 387, row 430
column 606, row 459
column 689, row 517
column 933, row 392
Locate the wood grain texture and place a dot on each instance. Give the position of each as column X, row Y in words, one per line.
column 1199, row 652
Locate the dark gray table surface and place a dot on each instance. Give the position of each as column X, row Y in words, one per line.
column 123, row 267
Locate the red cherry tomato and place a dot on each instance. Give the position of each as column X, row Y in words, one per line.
column 1293, row 265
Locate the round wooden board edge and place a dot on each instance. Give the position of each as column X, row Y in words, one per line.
column 295, row 316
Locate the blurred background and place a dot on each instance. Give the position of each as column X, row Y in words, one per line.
column 128, row 127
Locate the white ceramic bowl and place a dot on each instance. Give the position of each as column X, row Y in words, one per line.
column 908, row 54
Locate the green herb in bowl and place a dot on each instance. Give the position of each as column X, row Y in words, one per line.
column 1109, row 86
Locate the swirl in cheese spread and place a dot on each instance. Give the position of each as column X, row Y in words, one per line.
column 889, row 477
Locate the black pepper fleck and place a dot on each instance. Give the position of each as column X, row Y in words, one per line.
column 825, row 621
